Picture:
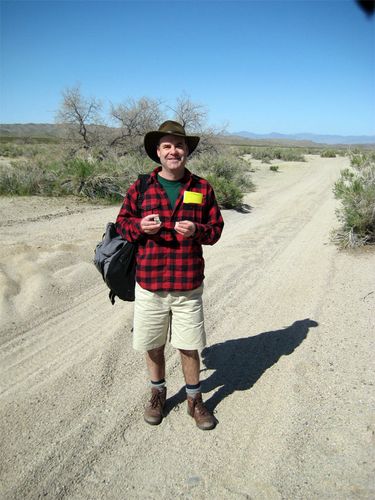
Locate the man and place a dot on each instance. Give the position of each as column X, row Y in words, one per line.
column 178, row 215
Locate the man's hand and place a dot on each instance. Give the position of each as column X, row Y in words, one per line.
column 185, row 227
column 149, row 225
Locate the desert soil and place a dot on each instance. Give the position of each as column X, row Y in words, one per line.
column 288, row 369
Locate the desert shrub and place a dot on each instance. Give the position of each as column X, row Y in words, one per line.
column 263, row 154
column 31, row 180
column 359, row 158
column 79, row 168
column 328, row 153
column 225, row 165
column 274, row 168
column 228, row 174
column 50, row 169
column 94, row 179
column 108, row 179
column 10, row 150
column 20, row 149
column 288, row 154
column 356, row 191
column 312, row 150
column 285, row 154
column 228, row 195
column 98, row 187
column 44, row 175
column 240, row 150
column 135, row 164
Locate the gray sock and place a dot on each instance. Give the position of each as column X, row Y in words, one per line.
column 193, row 390
column 160, row 384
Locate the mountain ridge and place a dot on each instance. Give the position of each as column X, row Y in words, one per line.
column 55, row 130
column 307, row 136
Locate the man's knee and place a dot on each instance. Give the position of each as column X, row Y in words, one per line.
column 157, row 353
column 190, row 353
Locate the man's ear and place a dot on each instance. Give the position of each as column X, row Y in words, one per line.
column 158, row 151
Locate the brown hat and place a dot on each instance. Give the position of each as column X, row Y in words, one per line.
column 169, row 127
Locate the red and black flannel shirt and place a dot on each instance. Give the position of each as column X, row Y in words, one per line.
column 167, row 261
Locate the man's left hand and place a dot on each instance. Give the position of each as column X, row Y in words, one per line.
column 185, row 227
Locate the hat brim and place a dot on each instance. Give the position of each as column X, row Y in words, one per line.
column 152, row 139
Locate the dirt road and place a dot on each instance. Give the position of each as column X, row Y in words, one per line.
column 288, row 369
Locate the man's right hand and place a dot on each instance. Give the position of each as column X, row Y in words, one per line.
column 148, row 224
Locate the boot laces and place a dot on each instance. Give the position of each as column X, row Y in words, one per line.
column 155, row 400
column 200, row 408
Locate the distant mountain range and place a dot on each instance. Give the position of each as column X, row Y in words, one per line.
column 30, row 130
column 320, row 139
column 53, row 130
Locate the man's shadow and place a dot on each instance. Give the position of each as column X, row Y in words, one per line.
column 239, row 363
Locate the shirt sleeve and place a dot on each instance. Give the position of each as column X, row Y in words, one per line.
column 128, row 222
column 209, row 232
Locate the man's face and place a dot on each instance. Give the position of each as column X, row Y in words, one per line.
column 173, row 153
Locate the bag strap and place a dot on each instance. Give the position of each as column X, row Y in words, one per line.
column 143, row 186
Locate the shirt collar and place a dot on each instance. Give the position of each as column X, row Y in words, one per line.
column 185, row 179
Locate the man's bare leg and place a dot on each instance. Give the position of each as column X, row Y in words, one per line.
column 190, row 366
column 196, row 409
column 156, row 363
column 154, row 411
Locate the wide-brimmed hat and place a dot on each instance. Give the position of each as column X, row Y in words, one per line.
column 169, row 127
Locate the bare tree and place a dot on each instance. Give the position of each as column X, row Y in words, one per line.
column 80, row 115
column 193, row 116
column 135, row 118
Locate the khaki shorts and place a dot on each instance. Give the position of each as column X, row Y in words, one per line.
column 151, row 319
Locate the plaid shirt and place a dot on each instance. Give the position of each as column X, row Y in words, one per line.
column 167, row 261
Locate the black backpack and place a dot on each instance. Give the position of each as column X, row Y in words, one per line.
column 115, row 258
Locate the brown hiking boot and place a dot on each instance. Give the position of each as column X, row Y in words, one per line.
column 154, row 411
column 196, row 409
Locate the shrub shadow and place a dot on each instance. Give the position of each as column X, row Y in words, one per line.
column 244, row 208
column 239, row 363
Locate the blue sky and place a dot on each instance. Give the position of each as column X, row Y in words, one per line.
column 262, row 66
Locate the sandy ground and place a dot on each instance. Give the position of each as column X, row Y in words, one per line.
column 288, row 370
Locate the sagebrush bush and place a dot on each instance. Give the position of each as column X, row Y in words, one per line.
column 228, row 194
column 53, row 170
column 263, row 154
column 287, row 154
column 22, row 180
column 328, row 153
column 225, row 165
column 228, row 174
column 240, row 150
column 266, row 154
column 10, row 150
column 356, row 191
column 20, row 149
column 101, row 187
column 48, row 172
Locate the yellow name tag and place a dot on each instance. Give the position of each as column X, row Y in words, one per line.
column 192, row 197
